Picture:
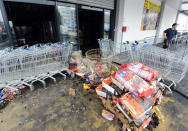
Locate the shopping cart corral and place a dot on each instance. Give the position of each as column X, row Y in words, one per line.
column 24, row 66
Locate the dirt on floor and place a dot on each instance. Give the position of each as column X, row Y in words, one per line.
column 58, row 108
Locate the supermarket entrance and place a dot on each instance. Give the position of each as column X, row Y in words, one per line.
column 91, row 25
column 31, row 23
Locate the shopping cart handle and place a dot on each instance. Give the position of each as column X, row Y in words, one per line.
column 71, row 42
column 42, row 47
column 54, row 45
column 147, row 45
column 26, row 48
column 66, row 45
column 58, row 42
column 9, row 50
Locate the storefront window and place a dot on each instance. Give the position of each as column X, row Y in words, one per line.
column 4, row 42
column 106, row 23
column 12, row 31
column 68, row 30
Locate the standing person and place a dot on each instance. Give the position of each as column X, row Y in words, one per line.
column 169, row 35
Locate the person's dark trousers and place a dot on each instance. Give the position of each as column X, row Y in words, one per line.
column 167, row 43
column 165, row 46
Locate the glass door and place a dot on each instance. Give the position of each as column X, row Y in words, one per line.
column 67, row 22
column 4, row 41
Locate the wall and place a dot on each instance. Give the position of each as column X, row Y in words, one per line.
column 120, row 10
column 130, row 14
column 133, row 17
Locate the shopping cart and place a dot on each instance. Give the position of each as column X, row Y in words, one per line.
column 106, row 47
column 100, row 66
column 124, row 51
column 26, row 65
column 162, row 60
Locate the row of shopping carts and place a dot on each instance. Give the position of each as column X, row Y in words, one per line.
column 26, row 65
column 165, row 61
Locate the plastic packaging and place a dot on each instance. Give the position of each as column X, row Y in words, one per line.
column 135, row 108
column 101, row 68
column 134, row 83
column 102, row 92
column 107, row 115
column 142, row 70
column 111, row 87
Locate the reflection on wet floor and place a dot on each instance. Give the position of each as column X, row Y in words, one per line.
column 56, row 109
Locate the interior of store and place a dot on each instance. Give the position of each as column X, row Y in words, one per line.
column 91, row 26
column 38, row 23
column 31, row 23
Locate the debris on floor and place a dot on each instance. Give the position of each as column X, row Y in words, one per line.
column 72, row 91
column 134, row 96
column 130, row 93
column 107, row 115
column 132, row 90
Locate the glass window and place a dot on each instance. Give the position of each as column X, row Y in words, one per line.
column 68, row 31
column 182, row 22
column 12, row 31
column 106, row 23
column 4, row 42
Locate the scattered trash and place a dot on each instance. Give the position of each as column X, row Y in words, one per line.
column 72, row 91
column 107, row 115
column 130, row 93
column 90, row 99
column 159, row 114
column 86, row 86
column 134, row 96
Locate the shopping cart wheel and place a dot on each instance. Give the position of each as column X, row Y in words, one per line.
column 150, row 127
column 109, row 96
column 117, row 110
column 72, row 75
column 166, row 92
column 155, row 120
column 169, row 87
column 3, row 104
column 173, row 87
column 18, row 92
column 158, row 101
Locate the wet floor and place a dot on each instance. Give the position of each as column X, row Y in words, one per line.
column 58, row 109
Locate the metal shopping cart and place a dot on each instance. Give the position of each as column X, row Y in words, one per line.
column 106, row 47
column 24, row 66
column 166, row 62
column 100, row 66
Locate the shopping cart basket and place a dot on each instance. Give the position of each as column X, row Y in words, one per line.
column 24, row 66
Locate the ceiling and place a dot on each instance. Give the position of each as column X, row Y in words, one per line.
column 184, row 6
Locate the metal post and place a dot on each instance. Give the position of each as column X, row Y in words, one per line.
column 77, row 27
column 103, row 20
column 7, row 26
column 57, row 21
column 112, row 21
column 163, row 3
